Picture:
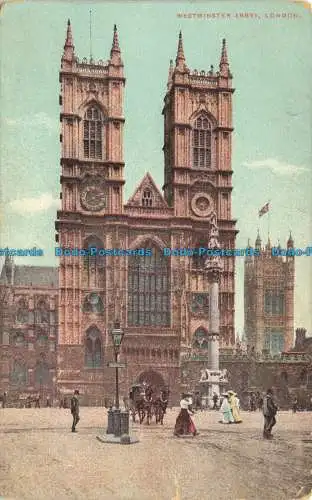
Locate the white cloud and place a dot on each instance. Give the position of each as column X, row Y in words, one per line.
column 276, row 166
column 39, row 120
column 31, row 205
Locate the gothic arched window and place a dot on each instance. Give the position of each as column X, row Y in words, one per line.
column 198, row 261
column 19, row 373
column 94, row 264
column 42, row 373
column 22, row 312
column 200, row 339
column 268, row 302
column 42, row 313
column 303, row 376
column 18, row 340
column 93, row 348
column 202, row 141
column 284, row 378
column 200, row 304
column 92, row 133
column 149, row 289
column 274, row 302
column 42, row 339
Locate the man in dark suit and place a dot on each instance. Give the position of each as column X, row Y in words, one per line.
column 269, row 412
column 74, row 408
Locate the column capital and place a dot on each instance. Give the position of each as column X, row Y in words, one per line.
column 214, row 275
column 213, row 336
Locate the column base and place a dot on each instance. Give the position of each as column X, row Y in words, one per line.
column 111, row 439
column 215, row 382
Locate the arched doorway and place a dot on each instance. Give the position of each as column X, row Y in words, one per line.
column 151, row 378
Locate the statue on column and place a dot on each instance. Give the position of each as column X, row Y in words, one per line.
column 213, row 262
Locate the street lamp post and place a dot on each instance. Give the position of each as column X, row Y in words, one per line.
column 118, row 421
column 117, row 335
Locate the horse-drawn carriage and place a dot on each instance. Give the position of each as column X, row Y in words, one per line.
column 146, row 402
column 20, row 400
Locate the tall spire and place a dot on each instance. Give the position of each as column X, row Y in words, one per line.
column 180, row 59
column 290, row 241
column 224, row 63
column 170, row 73
column 69, row 36
column 115, row 50
column 9, row 269
column 68, row 54
column 258, row 241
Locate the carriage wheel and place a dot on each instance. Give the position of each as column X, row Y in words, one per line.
column 141, row 416
column 157, row 416
column 149, row 416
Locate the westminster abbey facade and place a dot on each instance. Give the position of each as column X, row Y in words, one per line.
column 162, row 302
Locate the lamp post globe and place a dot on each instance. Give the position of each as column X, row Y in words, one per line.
column 117, row 336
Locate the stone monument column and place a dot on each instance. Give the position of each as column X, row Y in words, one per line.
column 214, row 320
column 214, row 379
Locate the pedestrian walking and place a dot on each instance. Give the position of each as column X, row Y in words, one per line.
column 184, row 424
column 227, row 417
column 269, row 412
column 198, row 404
column 74, row 408
column 234, row 407
column 215, row 399
column 253, row 402
column 295, row 405
column 237, row 401
column 4, row 399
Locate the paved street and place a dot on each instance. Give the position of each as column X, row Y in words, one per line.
column 41, row 459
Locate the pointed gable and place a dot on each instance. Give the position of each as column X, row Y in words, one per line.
column 147, row 195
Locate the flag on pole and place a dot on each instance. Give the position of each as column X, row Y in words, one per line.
column 264, row 209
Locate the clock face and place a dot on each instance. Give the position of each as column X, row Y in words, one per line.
column 93, row 197
column 202, row 205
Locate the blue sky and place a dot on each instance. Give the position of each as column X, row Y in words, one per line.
column 270, row 59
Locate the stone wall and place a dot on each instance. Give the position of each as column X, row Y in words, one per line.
column 288, row 375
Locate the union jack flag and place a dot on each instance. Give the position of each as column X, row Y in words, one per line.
column 264, row 209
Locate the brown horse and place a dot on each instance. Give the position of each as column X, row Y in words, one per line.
column 160, row 406
column 141, row 403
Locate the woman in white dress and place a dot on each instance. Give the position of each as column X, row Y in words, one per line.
column 184, row 424
column 227, row 417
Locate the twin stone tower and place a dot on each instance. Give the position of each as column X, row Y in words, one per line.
column 165, row 305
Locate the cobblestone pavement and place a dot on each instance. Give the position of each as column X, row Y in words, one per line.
column 41, row 459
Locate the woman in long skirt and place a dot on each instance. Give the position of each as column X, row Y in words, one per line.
column 184, row 424
column 234, row 407
column 226, row 412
